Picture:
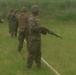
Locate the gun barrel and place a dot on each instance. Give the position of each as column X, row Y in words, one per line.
column 50, row 32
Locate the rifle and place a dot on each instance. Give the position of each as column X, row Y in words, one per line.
column 50, row 32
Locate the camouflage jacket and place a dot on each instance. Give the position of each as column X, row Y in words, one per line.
column 34, row 28
column 14, row 19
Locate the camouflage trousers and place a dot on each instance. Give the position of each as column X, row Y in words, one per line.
column 14, row 30
column 34, row 53
column 9, row 28
column 21, row 38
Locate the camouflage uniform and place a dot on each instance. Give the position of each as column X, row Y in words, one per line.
column 9, row 19
column 14, row 23
column 34, row 38
column 22, row 21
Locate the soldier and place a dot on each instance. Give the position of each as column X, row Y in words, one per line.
column 34, row 38
column 14, row 22
column 22, row 21
column 9, row 19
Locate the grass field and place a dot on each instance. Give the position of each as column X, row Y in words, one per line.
column 58, row 16
column 57, row 9
column 11, row 63
column 60, row 53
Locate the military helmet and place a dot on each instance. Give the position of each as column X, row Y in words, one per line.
column 35, row 8
column 11, row 10
column 23, row 9
column 15, row 10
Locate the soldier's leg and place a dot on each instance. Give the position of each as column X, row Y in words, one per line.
column 38, row 54
column 21, row 40
column 12, row 30
column 30, row 59
column 16, row 30
column 12, row 33
column 9, row 24
column 31, row 54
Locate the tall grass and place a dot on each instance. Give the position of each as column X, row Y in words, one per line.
column 55, row 9
column 61, row 54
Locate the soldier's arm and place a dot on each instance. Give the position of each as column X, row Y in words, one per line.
column 9, row 16
column 13, row 18
column 37, row 28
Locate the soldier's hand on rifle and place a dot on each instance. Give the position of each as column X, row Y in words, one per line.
column 43, row 31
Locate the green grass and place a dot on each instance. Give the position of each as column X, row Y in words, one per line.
column 60, row 53
column 12, row 63
column 57, row 9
